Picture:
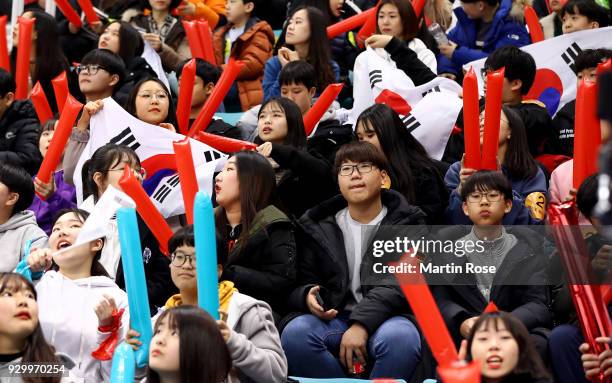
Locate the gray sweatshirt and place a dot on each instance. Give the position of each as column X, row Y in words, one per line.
column 14, row 234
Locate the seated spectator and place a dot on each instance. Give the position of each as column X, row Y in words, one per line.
column 502, row 345
column 253, row 235
column 19, row 128
column 519, row 75
column 249, row 39
column 482, row 27
column 518, row 283
column 212, row 11
column 163, row 31
column 56, row 195
column 581, row 15
column 306, row 39
column 552, row 24
column 247, row 324
column 585, row 67
column 527, row 179
column 150, row 101
column 206, row 77
column 18, row 226
column 343, row 319
column 593, row 364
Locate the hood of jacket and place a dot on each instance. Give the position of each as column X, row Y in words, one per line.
column 252, row 26
column 266, row 217
column 18, row 220
column 89, row 282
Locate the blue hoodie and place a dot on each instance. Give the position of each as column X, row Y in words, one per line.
column 521, row 188
column 507, row 28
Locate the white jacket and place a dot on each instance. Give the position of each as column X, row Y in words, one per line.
column 426, row 56
column 70, row 324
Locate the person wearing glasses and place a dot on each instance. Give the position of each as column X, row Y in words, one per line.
column 516, row 163
column 104, row 169
column 150, row 102
column 246, row 324
column 341, row 319
column 515, row 278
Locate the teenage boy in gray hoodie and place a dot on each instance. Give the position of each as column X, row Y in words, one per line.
column 17, row 225
column 246, row 323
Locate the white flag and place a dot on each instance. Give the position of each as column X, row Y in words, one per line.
column 154, row 60
column 555, row 83
column 153, row 145
column 429, row 111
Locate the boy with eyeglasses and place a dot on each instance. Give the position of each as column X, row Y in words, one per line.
column 345, row 322
column 518, row 284
column 247, row 324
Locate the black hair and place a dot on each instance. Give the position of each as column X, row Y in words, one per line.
column 185, row 236
column 203, row 354
column 296, row 135
column 406, row 156
column 319, row 51
column 589, row 8
column 586, row 197
column 359, row 151
column 104, row 158
column 17, row 180
column 530, row 367
column 322, row 5
column 298, row 72
column 486, row 180
column 590, row 58
column 97, row 270
column 36, row 350
column 7, row 83
column 204, row 70
column 145, row 4
column 257, row 184
column 110, row 61
column 409, row 19
column 48, row 126
column 518, row 161
column 131, row 44
column 518, row 64
column 130, row 103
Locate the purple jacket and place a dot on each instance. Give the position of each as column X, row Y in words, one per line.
column 63, row 198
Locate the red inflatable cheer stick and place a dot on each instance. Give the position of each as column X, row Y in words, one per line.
column 206, row 42
column 418, row 6
column 493, row 103
column 60, row 88
column 60, row 138
column 225, row 144
column 187, row 175
column 587, row 132
column 533, row 23
column 5, row 63
column 183, row 108
column 22, row 72
column 349, row 24
column 368, row 28
column 471, row 124
column 460, row 372
column 90, row 13
column 319, row 108
column 41, row 104
column 205, row 115
column 194, row 39
column 69, row 12
column 145, row 208
column 604, row 66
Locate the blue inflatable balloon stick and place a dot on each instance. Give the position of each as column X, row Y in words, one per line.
column 135, row 283
column 206, row 255
column 124, row 364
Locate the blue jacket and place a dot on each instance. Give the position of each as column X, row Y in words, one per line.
column 271, row 86
column 507, row 28
column 521, row 188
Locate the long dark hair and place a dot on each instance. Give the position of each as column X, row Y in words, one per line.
column 518, row 160
column 104, row 159
column 530, row 366
column 319, row 51
column 37, row 350
column 410, row 22
column 203, row 354
column 97, row 270
column 322, row 5
column 257, row 184
column 131, row 44
column 296, row 134
column 130, row 103
column 406, row 156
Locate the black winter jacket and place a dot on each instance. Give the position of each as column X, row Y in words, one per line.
column 407, row 60
column 19, row 131
column 563, row 126
column 323, row 261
